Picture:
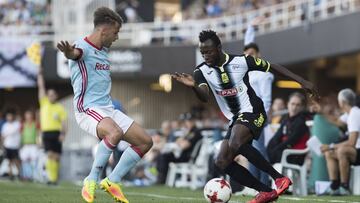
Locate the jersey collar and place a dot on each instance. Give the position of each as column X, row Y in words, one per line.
column 226, row 61
column 93, row 45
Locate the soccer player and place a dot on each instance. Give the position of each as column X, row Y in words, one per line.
column 261, row 82
column 94, row 112
column 227, row 76
column 53, row 127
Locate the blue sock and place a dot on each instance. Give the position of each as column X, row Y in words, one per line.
column 101, row 158
column 127, row 161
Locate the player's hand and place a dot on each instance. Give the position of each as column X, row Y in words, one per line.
column 314, row 107
column 311, row 90
column 184, row 78
column 66, row 48
column 324, row 148
column 62, row 137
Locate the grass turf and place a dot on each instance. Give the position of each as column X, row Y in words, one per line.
column 19, row 192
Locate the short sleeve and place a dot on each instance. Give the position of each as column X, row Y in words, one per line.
column 353, row 122
column 257, row 64
column 82, row 50
column 62, row 113
column 344, row 118
column 44, row 101
column 199, row 77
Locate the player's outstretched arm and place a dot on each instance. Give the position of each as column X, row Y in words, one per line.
column 308, row 86
column 201, row 91
column 69, row 51
column 41, row 83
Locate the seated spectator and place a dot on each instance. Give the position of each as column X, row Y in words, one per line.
column 184, row 145
column 10, row 134
column 166, row 129
column 340, row 156
column 293, row 132
column 327, row 132
column 278, row 109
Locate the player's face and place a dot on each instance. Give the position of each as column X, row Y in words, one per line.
column 209, row 52
column 295, row 106
column 111, row 34
column 52, row 95
column 252, row 52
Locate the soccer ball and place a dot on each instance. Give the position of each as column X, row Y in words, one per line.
column 217, row 190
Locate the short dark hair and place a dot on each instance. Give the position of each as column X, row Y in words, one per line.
column 10, row 111
column 104, row 15
column 252, row 45
column 209, row 34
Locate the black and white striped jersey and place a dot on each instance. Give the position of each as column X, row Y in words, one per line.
column 230, row 84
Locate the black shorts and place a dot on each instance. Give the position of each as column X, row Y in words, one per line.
column 51, row 141
column 11, row 154
column 254, row 121
column 357, row 160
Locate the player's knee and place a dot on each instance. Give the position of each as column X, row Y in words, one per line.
column 341, row 152
column 221, row 163
column 115, row 135
column 327, row 155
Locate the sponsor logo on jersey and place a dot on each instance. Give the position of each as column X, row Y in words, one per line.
column 262, row 62
column 259, row 121
column 227, row 92
column 240, row 118
column 100, row 66
column 235, row 67
column 258, row 61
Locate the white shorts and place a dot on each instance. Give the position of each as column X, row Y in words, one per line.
column 89, row 120
column 29, row 152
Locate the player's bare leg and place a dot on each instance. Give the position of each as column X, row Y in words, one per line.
column 140, row 144
column 110, row 133
column 240, row 136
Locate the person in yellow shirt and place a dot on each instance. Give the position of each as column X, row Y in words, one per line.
column 52, row 125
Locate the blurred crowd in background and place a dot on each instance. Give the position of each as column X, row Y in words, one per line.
column 175, row 140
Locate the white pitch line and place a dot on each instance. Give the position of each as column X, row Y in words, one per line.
column 201, row 199
column 171, row 197
column 317, row 200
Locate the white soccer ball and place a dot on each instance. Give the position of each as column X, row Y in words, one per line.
column 217, row 190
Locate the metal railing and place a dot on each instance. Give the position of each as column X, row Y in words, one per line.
column 277, row 17
column 72, row 19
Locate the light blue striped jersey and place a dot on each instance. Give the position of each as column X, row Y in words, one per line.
column 90, row 76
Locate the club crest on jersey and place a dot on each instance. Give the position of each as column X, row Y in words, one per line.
column 225, row 78
column 227, row 92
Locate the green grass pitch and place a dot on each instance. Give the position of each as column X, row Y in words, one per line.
column 19, row 192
